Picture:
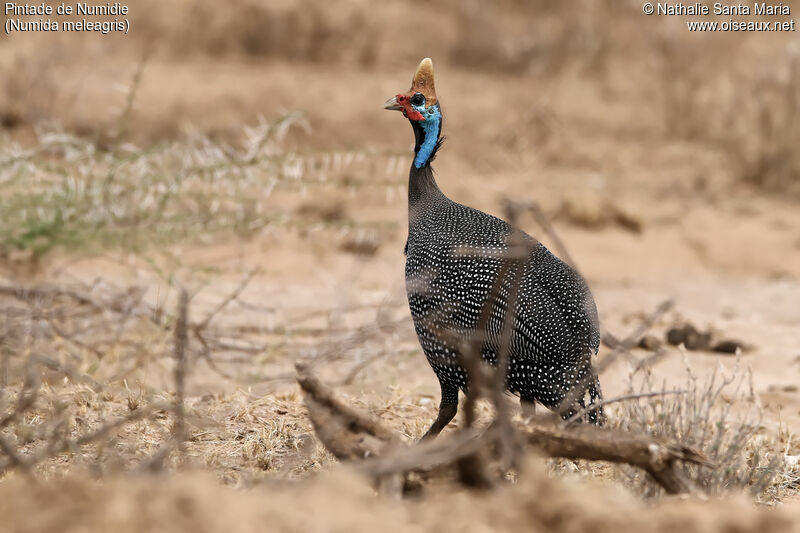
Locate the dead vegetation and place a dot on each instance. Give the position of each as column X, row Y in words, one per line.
column 78, row 346
column 351, row 435
column 71, row 194
column 94, row 377
column 76, row 397
column 80, row 417
column 701, row 417
column 69, row 424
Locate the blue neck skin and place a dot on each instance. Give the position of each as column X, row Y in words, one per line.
column 430, row 127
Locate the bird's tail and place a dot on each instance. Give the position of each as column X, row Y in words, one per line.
column 596, row 416
column 571, row 406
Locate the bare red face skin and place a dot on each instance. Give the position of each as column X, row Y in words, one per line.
column 408, row 111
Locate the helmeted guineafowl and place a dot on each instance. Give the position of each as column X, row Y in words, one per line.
column 555, row 328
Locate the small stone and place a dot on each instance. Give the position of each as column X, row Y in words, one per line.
column 649, row 342
column 676, row 335
column 729, row 346
column 690, row 337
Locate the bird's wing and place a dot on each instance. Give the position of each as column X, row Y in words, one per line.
column 569, row 292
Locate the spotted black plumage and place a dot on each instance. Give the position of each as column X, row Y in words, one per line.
column 453, row 256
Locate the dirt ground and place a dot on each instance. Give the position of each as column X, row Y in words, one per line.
column 655, row 154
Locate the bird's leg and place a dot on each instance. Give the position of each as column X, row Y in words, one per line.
column 448, row 408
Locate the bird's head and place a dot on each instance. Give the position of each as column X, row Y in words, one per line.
column 418, row 104
column 421, row 107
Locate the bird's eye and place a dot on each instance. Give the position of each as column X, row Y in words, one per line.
column 417, row 99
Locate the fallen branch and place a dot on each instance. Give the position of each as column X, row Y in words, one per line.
column 348, row 433
column 428, row 454
column 353, row 435
column 658, row 458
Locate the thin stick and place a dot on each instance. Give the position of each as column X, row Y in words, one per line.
column 231, row 297
column 130, row 98
column 156, row 462
column 544, row 223
column 180, row 369
column 359, row 367
column 617, row 399
column 205, row 353
column 649, row 321
column 520, row 252
column 36, row 293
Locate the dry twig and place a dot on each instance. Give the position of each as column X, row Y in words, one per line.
column 658, row 458
column 352, row 435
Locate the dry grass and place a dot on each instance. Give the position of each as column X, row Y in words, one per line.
column 91, row 388
column 263, row 443
column 71, row 193
column 719, row 417
column 91, row 382
column 93, row 377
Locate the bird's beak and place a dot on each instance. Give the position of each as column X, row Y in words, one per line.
column 392, row 105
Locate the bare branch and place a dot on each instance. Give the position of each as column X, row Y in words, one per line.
column 577, row 416
column 181, row 340
column 542, row 220
column 228, row 299
column 658, row 458
column 178, row 437
column 353, row 435
column 350, row 418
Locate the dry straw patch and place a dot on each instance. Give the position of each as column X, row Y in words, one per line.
column 73, row 194
column 720, row 416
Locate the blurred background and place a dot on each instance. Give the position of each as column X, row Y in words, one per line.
column 240, row 150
